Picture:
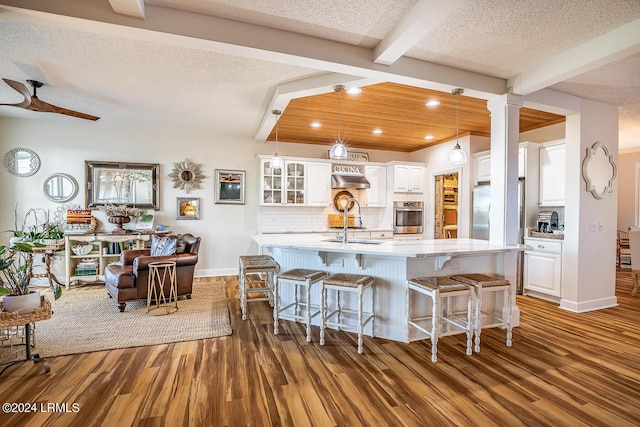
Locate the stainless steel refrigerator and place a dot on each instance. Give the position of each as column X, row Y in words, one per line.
column 481, row 204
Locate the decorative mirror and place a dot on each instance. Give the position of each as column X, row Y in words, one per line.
column 115, row 183
column 599, row 170
column 186, row 175
column 22, row 162
column 230, row 186
column 60, row 187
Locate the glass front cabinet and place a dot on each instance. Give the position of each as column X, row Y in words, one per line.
column 282, row 186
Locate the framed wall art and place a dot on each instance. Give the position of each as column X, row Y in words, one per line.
column 188, row 208
column 229, row 186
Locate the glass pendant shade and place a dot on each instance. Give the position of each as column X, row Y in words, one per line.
column 457, row 156
column 338, row 150
column 276, row 161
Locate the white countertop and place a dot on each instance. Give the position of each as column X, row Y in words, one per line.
column 395, row 248
column 328, row 230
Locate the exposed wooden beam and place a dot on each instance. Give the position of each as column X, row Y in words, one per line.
column 133, row 8
column 605, row 49
column 419, row 21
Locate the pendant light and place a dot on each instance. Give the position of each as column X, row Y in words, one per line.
column 338, row 150
column 457, row 156
column 276, row 161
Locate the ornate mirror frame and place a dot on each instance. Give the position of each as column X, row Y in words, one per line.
column 119, row 183
column 187, row 175
column 603, row 180
column 22, row 162
column 60, row 187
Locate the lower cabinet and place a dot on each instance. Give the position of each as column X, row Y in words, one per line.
column 543, row 269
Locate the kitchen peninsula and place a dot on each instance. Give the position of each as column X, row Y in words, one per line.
column 392, row 263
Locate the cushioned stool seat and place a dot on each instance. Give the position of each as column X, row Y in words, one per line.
column 442, row 321
column 256, row 265
column 298, row 310
column 350, row 283
column 483, row 284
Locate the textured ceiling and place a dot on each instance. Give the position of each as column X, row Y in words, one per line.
column 221, row 66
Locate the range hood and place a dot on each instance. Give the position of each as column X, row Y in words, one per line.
column 349, row 181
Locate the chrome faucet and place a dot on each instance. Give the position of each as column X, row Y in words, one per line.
column 346, row 217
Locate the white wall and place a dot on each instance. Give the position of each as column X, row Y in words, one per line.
column 63, row 146
column 627, row 197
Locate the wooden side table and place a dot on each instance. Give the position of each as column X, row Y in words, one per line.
column 8, row 320
column 160, row 273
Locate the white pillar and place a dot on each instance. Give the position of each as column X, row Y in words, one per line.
column 588, row 262
column 505, row 136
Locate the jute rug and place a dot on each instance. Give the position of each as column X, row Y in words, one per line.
column 87, row 320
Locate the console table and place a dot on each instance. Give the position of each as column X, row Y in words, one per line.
column 101, row 252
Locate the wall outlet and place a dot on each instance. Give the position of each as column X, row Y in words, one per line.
column 600, row 226
column 592, row 226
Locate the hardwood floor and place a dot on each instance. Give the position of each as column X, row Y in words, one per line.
column 564, row 369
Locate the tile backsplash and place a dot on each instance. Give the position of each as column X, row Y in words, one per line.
column 301, row 218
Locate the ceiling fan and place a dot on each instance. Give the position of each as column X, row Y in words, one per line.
column 31, row 102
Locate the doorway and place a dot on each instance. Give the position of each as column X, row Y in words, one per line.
column 446, row 206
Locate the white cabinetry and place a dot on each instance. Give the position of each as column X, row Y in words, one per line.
column 318, row 184
column 376, row 195
column 552, row 174
column 482, row 165
column 282, row 186
column 543, row 269
column 408, row 178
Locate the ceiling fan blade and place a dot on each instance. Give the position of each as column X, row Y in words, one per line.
column 38, row 105
column 22, row 90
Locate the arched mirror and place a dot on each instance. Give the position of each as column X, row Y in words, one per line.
column 599, row 170
column 60, row 187
column 22, row 162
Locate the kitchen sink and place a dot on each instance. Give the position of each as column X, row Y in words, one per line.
column 361, row 241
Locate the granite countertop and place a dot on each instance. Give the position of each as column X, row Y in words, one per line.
column 392, row 248
column 551, row 236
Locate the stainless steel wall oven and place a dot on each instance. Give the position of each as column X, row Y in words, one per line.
column 408, row 217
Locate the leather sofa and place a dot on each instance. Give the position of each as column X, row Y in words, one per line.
column 128, row 280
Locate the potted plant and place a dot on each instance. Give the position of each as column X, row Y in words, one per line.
column 120, row 215
column 15, row 274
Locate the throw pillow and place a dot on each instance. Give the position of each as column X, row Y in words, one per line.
column 163, row 245
column 181, row 245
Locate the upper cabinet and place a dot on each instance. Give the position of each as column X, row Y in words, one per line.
column 318, row 184
column 282, row 186
column 376, row 195
column 482, row 165
column 408, row 178
column 552, row 174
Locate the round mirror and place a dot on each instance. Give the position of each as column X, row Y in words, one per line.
column 60, row 187
column 22, row 162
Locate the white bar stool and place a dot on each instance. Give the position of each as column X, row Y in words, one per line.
column 483, row 284
column 298, row 310
column 442, row 321
column 256, row 265
column 356, row 284
column 161, row 273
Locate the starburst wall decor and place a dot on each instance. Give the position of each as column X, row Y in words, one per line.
column 187, row 175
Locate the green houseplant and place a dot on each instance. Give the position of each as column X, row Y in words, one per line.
column 15, row 269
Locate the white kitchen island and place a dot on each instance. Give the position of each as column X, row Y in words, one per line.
column 392, row 263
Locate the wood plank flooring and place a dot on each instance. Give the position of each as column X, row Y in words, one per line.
column 564, row 369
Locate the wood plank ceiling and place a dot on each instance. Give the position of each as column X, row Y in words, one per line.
column 397, row 110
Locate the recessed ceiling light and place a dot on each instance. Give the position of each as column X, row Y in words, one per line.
column 432, row 103
column 428, row 137
column 377, row 131
column 315, row 124
column 354, row 90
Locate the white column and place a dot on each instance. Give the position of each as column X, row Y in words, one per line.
column 505, row 136
column 588, row 262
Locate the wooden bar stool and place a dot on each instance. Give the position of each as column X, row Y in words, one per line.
column 442, row 321
column 356, row 284
column 256, row 265
column 484, row 284
column 298, row 310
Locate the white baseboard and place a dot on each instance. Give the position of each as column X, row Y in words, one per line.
column 592, row 305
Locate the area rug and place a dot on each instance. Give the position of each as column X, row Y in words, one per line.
column 87, row 320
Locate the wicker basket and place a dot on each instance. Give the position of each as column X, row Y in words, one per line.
column 14, row 319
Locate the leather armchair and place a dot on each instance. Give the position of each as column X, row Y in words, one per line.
column 128, row 280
